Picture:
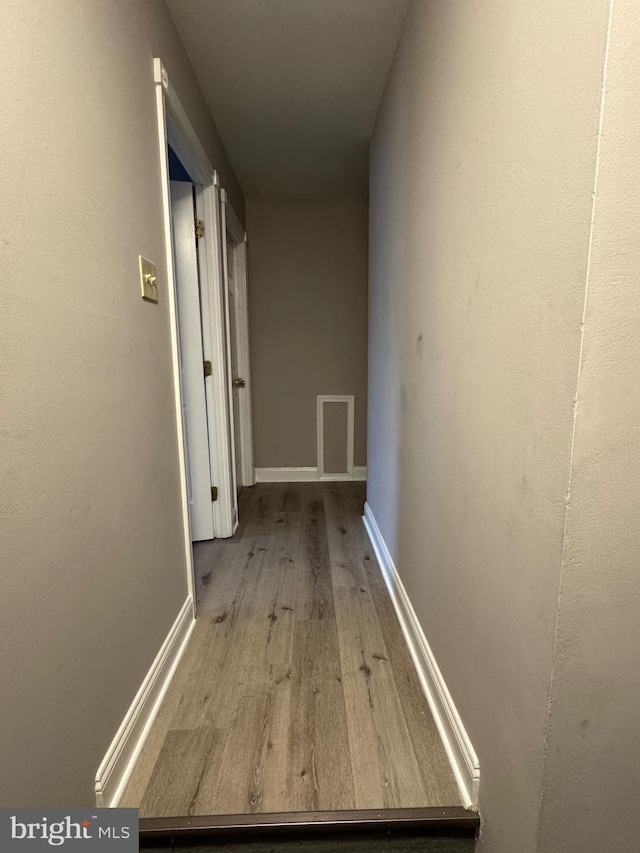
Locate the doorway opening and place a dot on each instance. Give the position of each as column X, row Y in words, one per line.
column 205, row 249
column 235, row 267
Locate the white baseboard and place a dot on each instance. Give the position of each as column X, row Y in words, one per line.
column 460, row 752
column 117, row 765
column 307, row 475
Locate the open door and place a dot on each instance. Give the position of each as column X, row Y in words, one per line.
column 238, row 384
column 194, row 404
column 235, row 274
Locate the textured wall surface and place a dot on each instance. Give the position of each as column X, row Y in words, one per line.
column 308, row 314
column 93, row 567
column 482, row 173
column 593, row 764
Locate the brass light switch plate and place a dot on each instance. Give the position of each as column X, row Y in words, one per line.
column 148, row 280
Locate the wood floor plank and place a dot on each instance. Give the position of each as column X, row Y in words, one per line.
column 385, row 768
column 254, row 508
column 274, row 581
column 315, row 587
column 320, row 775
column 349, row 569
column 175, row 781
column 212, row 559
column 282, row 600
column 230, row 590
column 251, row 747
column 261, row 513
column 230, row 651
column 435, row 770
column 288, row 498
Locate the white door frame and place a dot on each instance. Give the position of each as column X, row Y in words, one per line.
column 349, row 400
column 175, row 129
column 238, row 262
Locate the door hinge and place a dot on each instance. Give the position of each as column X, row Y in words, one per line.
column 199, row 228
column 207, row 368
column 214, row 493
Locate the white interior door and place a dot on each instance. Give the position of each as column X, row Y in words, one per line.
column 194, row 406
column 237, row 382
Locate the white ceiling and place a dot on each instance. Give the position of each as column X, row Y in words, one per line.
column 294, row 86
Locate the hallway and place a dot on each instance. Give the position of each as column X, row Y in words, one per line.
column 297, row 692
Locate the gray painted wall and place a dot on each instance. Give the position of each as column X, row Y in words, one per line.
column 308, row 316
column 593, row 763
column 483, row 167
column 93, row 569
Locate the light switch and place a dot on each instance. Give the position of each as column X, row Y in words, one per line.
column 148, row 280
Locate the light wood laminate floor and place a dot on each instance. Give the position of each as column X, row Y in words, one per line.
column 297, row 691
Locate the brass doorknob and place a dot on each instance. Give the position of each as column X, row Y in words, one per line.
column 239, row 383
